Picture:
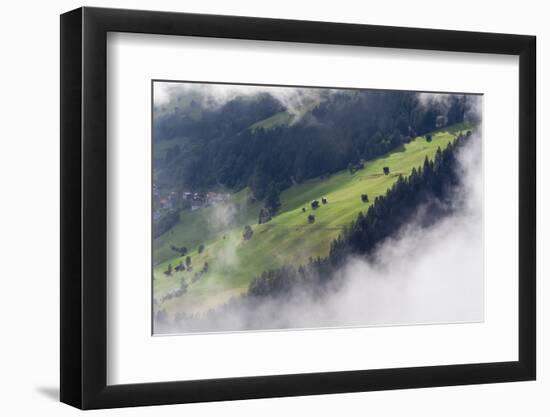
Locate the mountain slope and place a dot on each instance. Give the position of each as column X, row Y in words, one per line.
column 287, row 239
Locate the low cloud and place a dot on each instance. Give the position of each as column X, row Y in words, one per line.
column 222, row 216
column 171, row 95
column 212, row 96
column 442, row 103
column 427, row 100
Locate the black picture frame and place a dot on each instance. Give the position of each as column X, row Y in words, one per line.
column 84, row 207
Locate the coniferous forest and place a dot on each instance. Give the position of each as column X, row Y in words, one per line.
column 220, row 148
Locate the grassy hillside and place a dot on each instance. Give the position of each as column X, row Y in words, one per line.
column 287, row 239
column 278, row 119
column 285, row 118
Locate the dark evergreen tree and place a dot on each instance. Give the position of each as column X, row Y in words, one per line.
column 248, row 232
column 264, row 216
column 272, row 200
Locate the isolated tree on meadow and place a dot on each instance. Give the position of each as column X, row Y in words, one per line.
column 201, row 248
column 265, row 215
column 248, row 232
column 188, row 261
column 181, row 250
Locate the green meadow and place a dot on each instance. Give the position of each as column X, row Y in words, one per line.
column 288, row 239
column 279, row 119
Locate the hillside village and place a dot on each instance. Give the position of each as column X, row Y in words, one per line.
column 175, row 201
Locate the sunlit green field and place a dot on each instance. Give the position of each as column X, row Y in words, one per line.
column 287, row 239
column 279, row 119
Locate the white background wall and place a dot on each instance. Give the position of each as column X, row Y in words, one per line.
column 29, row 226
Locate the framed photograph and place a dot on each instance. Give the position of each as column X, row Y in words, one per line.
column 257, row 208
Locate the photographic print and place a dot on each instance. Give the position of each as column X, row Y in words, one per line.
column 294, row 207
